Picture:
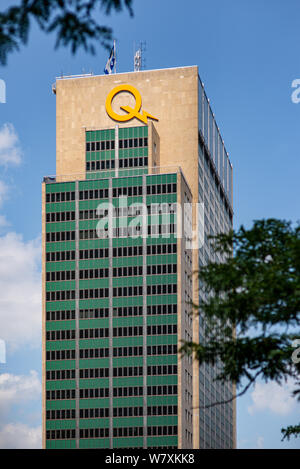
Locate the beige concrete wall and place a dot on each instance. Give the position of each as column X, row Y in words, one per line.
column 170, row 95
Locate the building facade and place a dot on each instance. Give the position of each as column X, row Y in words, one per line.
column 142, row 178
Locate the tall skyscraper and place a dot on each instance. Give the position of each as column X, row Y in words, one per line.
column 142, row 179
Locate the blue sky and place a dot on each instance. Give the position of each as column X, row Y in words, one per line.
column 248, row 57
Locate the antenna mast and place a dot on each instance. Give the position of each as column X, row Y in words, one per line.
column 139, row 60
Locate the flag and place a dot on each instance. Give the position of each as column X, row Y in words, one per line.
column 111, row 62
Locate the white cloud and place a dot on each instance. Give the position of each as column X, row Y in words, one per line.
column 10, row 151
column 20, row 286
column 16, row 392
column 273, row 397
column 15, row 389
column 20, row 436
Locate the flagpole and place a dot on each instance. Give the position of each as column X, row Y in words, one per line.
column 115, row 54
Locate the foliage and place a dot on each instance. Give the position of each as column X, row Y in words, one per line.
column 73, row 21
column 251, row 312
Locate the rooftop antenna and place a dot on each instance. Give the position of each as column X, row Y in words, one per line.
column 139, row 60
column 115, row 55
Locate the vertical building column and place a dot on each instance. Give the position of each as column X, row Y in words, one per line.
column 77, row 312
column 117, row 150
column 110, row 255
column 144, row 235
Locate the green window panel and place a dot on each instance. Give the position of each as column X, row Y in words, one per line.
column 100, row 155
column 93, row 363
column 120, row 362
column 92, row 443
column 100, row 184
column 132, row 172
column 60, row 325
column 91, row 224
column 60, row 424
column 91, row 304
column 161, row 360
column 94, row 423
column 122, row 242
column 162, row 400
column 128, row 442
column 127, row 281
column 161, row 380
column 128, row 381
column 128, row 321
column 107, row 155
column 161, row 279
column 155, row 441
column 93, row 244
column 161, row 240
column 162, row 420
column 93, row 263
column 60, row 187
column 132, row 301
column 99, row 174
column 93, row 343
column 93, row 323
column 127, row 261
column 58, row 286
column 60, row 384
column 127, row 342
column 60, row 345
column 58, row 266
column 128, row 422
column 132, row 152
column 94, row 403
column 91, row 204
column 60, row 365
column 63, row 246
column 100, row 135
column 127, row 181
column 138, row 199
column 60, row 206
column 162, row 300
column 162, row 319
column 60, row 444
column 60, row 305
column 131, row 132
column 162, row 339
column 132, row 401
column 89, row 136
column 161, row 198
column 161, row 179
column 58, row 405
column 60, row 226
column 94, row 383
column 94, row 283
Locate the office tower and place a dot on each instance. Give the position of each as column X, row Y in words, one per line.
column 142, row 178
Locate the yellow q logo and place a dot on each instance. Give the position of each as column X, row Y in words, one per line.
column 131, row 112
